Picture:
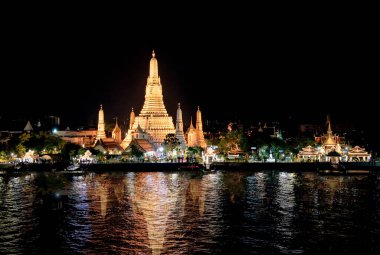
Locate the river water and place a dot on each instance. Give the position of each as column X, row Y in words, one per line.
column 266, row 212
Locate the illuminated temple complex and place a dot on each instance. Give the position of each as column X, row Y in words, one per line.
column 331, row 144
column 147, row 130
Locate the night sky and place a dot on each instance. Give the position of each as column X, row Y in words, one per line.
column 244, row 68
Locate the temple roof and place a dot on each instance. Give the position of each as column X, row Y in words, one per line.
column 139, row 129
column 108, row 144
column 144, row 145
column 330, row 141
column 358, row 151
column 334, row 154
column 116, row 129
column 75, row 133
column 309, row 151
column 28, row 127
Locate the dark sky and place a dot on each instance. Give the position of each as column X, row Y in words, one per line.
column 242, row 67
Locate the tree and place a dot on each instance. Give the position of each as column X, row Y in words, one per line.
column 133, row 150
column 42, row 141
column 194, row 153
column 171, row 142
column 3, row 156
column 233, row 141
column 69, row 150
column 21, row 150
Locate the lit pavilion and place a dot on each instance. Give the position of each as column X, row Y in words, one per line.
column 330, row 142
column 331, row 147
column 358, row 154
column 309, row 154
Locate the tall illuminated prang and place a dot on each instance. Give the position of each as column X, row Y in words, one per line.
column 101, row 126
column 195, row 135
column 179, row 128
column 153, row 118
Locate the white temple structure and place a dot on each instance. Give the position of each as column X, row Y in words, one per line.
column 179, row 128
column 101, row 127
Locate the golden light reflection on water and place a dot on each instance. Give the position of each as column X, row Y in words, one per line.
column 153, row 201
column 185, row 213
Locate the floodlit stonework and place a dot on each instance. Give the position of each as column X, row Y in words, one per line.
column 179, row 128
column 153, row 118
column 195, row 136
column 101, row 127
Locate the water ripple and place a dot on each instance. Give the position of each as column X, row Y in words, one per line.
column 190, row 213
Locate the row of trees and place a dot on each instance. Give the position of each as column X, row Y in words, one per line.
column 41, row 143
column 236, row 141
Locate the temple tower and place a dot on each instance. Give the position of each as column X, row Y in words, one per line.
column 116, row 133
column 153, row 118
column 101, row 134
column 199, row 130
column 179, row 127
column 191, row 135
column 329, row 140
column 131, row 119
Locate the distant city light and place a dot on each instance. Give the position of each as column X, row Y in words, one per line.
column 55, row 130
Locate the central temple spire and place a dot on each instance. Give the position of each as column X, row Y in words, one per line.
column 154, row 103
column 101, row 134
column 179, row 127
column 153, row 70
column 153, row 116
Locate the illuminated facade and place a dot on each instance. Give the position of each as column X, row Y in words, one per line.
column 101, row 127
column 116, row 133
column 153, row 118
column 104, row 144
column 309, row 154
column 195, row 136
column 330, row 141
column 331, row 144
column 191, row 136
column 358, row 154
column 179, row 127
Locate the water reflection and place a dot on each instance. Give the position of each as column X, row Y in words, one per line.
column 155, row 197
column 193, row 213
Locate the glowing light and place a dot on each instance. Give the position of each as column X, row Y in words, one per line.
column 55, row 130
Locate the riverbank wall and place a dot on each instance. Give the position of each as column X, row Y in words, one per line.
column 227, row 166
